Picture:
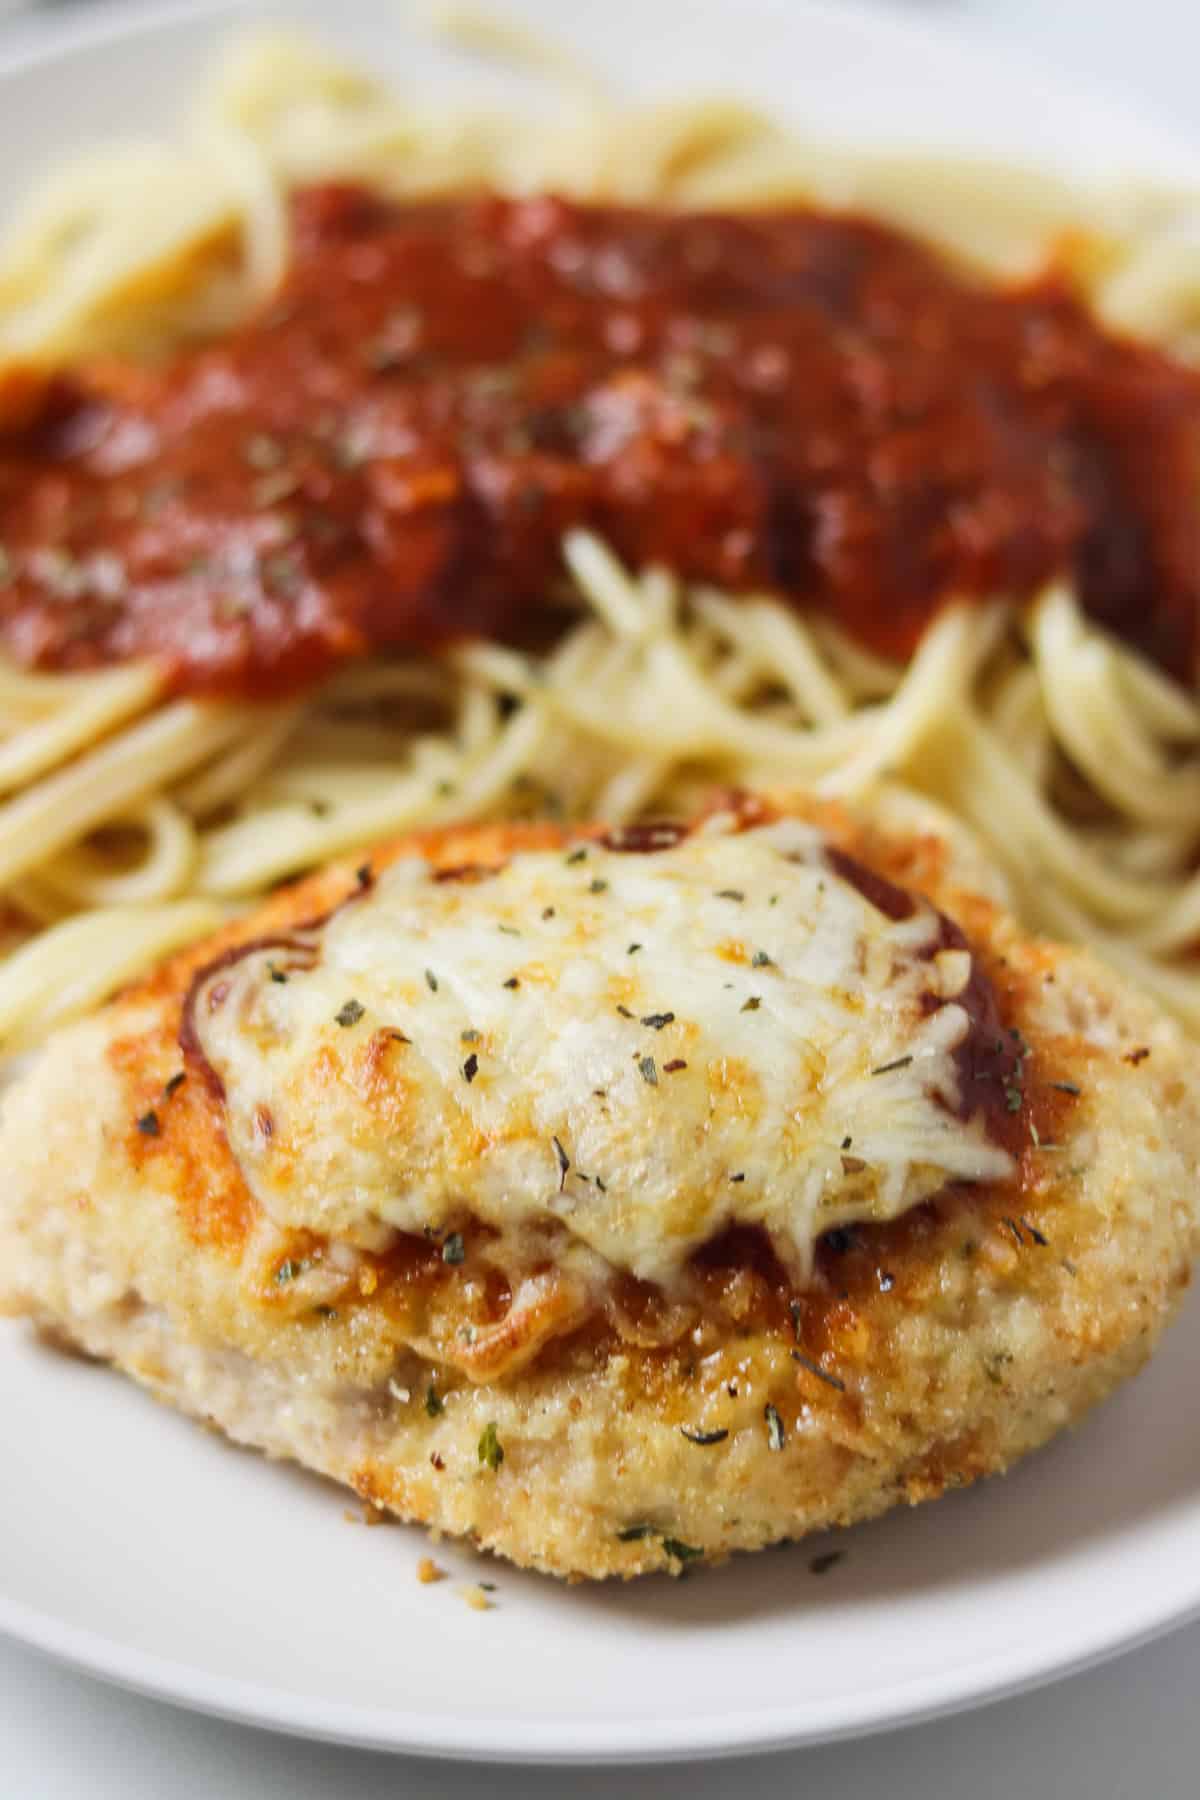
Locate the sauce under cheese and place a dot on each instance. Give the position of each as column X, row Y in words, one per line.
column 641, row 1045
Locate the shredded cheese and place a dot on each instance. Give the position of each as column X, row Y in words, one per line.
column 642, row 1047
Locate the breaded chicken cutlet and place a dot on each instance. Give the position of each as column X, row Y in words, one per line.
column 618, row 1199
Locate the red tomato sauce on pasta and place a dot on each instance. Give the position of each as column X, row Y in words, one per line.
column 388, row 454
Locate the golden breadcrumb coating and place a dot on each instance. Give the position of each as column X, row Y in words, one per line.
column 640, row 1431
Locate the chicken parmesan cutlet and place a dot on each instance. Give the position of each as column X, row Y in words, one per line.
column 618, row 1199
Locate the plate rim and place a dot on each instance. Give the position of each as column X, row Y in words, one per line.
column 561, row 1742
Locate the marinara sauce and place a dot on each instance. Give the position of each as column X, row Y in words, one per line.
column 389, row 453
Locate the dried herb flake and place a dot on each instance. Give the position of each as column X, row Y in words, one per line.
column 681, row 1552
column 828, row 1559
column 491, row 1450
column 814, row 1368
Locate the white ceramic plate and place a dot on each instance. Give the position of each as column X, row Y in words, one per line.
column 137, row 1546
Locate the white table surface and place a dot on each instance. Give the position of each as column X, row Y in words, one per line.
column 1128, row 1731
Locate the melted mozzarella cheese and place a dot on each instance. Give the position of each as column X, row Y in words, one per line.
column 644, row 1047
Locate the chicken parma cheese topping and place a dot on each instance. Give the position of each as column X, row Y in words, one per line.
column 635, row 1042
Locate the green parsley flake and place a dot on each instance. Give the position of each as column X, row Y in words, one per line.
column 491, row 1450
column 679, row 1551
column 672, row 1546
